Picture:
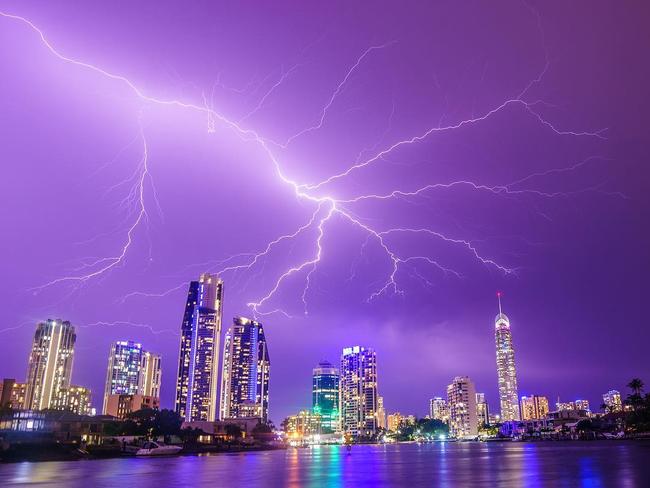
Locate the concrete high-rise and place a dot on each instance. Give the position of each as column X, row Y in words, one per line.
column 534, row 407
column 381, row 414
column 325, row 395
column 246, row 370
column 50, row 363
column 359, row 391
column 506, row 371
column 482, row 410
column 198, row 362
column 150, row 375
column 438, row 409
column 461, row 400
column 124, row 370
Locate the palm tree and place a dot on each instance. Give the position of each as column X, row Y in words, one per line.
column 636, row 385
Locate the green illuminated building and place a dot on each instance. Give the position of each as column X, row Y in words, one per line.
column 325, row 396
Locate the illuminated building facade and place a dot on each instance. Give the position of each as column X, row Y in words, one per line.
column 124, row 369
column 75, row 399
column 120, row 405
column 246, row 368
column 303, row 424
column 198, row 363
column 50, row 363
column 534, row 407
column 12, row 394
column 482, row 410
column 325, row 395
column 359, row 391
column 150, row 375
column 612, row 401
column 461, row 399
column 381, row 414
column 506, row 371
column 438, row 409
column 582, row 405
column 394, row 421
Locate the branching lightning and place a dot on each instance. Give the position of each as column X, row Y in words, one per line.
column 326, row 204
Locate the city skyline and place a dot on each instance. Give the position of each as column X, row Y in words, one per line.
column 510, row 159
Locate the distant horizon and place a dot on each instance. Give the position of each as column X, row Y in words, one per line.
column 357, row 174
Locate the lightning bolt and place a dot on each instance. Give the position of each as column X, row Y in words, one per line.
column 326, row 205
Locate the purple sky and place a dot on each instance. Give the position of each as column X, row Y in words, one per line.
column 540, row 190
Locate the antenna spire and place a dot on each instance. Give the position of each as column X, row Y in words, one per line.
column 499, row 297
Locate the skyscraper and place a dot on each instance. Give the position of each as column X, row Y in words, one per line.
column 534, row 407
column 150, row 375
column 359, row 391
column 198, row 362
column 506, row 370
column 246, row 368
column 124, row 369
column 50, row 363
column 612, row 401
column 461, row 400
column 325, row 395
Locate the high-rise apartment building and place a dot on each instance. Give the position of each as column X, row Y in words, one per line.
column 198, row 363
column 381, row 414
column 124, row 370
column 50, row 363
column 534, row 407
column 394, row 421
column 461, row 399
column 131, row 371
column 246, row 369
column 612, row 401
column 359, row 391
column 150, row 375
column 482, row 410
column 506, row 371
column 325, row 395
column 438, row 409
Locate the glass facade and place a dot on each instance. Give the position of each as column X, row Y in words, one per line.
column 506, row 371
column 246, row 370
column 325, row 396
column 358, row 391
column 124, row 369
column 198, row 363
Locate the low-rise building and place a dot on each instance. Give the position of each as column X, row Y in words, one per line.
column 612, row 401
column 303, row 424
column 75, row 399
column 121, row 405
column 52, row 425
column 12, row 394
column 221, row 430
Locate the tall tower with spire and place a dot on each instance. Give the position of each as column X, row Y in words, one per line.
column 506, row 371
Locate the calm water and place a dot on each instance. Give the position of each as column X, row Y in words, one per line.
column 588, row 464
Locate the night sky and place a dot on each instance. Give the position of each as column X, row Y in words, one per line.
column 528, row 121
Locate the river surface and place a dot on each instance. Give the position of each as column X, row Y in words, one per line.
column 570, row 464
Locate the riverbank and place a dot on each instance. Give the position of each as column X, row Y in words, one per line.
column 59, row 451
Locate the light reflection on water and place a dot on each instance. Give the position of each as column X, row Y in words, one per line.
column 531, row 465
